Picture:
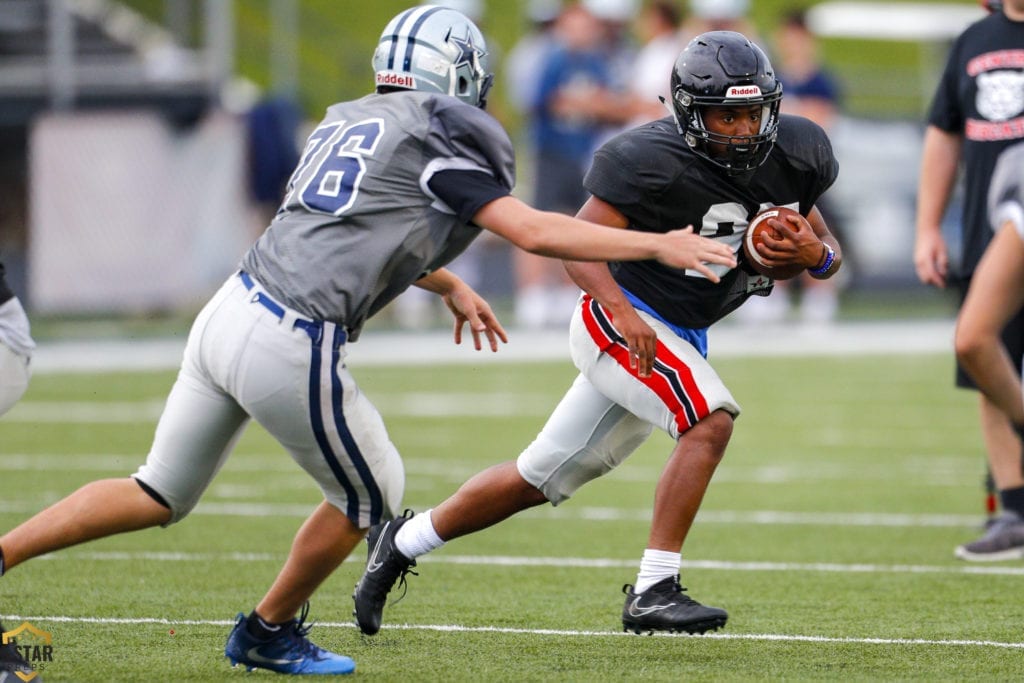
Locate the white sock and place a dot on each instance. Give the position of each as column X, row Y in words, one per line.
column 655, row 566
column 417, row 536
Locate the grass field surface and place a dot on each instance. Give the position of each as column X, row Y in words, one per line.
column 827, row 534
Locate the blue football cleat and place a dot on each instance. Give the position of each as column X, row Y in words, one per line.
column 290, row 652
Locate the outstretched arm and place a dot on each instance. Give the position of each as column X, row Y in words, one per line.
column 553, row 234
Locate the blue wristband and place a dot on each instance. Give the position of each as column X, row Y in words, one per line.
column 830, row 258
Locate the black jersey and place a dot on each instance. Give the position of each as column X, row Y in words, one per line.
column 652, row 176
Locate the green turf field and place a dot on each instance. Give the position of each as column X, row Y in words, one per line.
column 827, row 535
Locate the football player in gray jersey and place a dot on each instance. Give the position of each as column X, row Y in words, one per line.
column 995, row 296
column 389, row 189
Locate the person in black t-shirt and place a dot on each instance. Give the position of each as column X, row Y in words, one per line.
column 639, row 334
column 977, row 112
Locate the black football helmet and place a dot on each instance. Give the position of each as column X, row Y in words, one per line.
column 723, row 68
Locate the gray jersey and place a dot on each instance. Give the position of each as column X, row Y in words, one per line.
column 359, row 224
column 1006, row 190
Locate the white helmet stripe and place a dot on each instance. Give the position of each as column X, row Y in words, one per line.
column 403, row 39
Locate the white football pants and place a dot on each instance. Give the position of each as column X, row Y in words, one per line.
column 249, row 356
column 609, row 411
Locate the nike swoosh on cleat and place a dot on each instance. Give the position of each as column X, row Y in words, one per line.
column 254, row 655
column 636, row 610
column 372, row 564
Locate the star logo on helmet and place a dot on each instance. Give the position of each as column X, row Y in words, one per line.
column 467, row 50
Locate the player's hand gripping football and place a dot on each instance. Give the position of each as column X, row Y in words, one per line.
column 469, row 307
column 685, row 250
column 796, row 244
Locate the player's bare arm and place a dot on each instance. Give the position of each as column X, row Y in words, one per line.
column 939, row 162
column 804, row 242
column 553, row 234
column 466, row 306
column 596, row 280
column 995, row 295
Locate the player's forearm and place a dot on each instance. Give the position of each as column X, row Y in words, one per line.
column 564, row 237
column 596, row 280
column 441, row 281
column 559, row 236
column 834, row 262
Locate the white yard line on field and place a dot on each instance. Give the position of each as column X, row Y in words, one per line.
column 404, row 348
column 765, row 517
column 770, row 637
column 581, row 562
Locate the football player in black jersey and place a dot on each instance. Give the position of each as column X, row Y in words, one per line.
column 639, row 335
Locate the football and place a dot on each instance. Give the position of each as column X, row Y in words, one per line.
column 758, row 227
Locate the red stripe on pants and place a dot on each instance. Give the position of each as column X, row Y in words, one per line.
column 658, row 382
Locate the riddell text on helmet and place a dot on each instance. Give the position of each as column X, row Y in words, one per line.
column 743, row 91
column 396, row 79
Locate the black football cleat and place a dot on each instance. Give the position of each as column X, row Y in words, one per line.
column 666, row 607
column 384, row 566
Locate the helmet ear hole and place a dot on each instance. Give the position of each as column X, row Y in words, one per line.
column 463, row 85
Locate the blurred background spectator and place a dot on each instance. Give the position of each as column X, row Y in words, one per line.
column 658, row 28
column 720, row 15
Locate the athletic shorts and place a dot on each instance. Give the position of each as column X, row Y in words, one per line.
column 609, row 411
column 249, row 356
column 1013, row 339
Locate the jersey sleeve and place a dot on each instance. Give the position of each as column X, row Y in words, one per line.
column 1006, row 194
column 944, row 112
column 466, row 192
column 464, row 138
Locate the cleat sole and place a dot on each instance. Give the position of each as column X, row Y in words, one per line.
column 696, row 628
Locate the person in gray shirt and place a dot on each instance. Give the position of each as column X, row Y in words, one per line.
column 389, row 189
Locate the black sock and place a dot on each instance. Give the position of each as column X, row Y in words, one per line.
column 257, row 628
column 1, row 561
column 1013, row 499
